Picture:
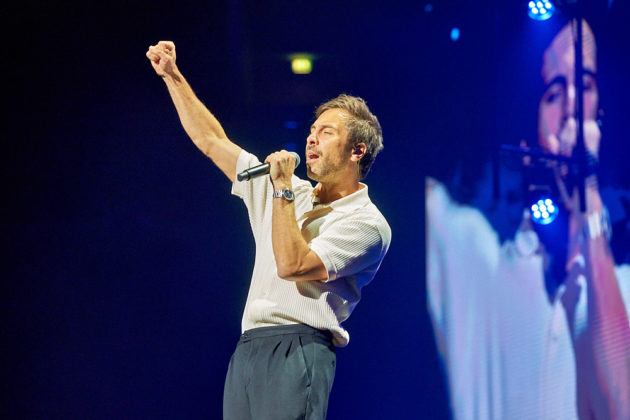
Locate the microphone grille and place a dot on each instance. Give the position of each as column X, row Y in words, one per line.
column 297, row 159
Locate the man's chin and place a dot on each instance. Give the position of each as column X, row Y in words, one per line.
column 312, row 175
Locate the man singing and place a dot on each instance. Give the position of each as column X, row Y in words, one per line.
column 315, row 249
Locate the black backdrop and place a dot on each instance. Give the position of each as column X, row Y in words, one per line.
column 129, row 261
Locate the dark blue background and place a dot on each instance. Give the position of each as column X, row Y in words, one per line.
column 129, row 261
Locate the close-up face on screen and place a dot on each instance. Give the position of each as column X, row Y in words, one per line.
column 527, row 277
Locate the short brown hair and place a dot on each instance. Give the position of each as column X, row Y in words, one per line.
column 362, row 126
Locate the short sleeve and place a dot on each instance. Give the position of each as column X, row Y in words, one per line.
column 256, row 193
column 353, row 245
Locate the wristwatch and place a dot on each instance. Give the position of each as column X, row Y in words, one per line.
column 286, row 193
column 598, row 224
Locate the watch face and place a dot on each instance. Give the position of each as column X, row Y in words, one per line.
column 288, row 194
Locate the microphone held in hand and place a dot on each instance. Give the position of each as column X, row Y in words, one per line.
column 262, row 169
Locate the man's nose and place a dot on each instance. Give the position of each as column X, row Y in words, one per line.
column 312, row 139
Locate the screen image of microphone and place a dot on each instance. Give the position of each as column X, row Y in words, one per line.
column 262, row 169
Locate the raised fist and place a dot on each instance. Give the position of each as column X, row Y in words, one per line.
column 162, row 58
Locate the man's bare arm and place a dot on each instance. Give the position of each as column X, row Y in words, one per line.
column 295, row 260
column 603, row 348
column 200, row 125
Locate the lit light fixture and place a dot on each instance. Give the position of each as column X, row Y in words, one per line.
column 540, row 9
column 544, row 211
column 541, row 192
column 301, row 63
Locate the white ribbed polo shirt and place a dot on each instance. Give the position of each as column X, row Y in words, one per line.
column 349, row 235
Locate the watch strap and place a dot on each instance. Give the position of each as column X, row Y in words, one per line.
column 285, row 193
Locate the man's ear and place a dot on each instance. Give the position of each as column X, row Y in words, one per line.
column 358, row 151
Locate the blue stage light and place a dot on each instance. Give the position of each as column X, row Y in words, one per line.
column 540, row 10
column 544, row 211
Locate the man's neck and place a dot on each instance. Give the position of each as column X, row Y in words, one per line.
column 329, row 192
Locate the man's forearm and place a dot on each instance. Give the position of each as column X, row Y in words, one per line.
column 294, row 259
column 608, row 335
column 201, row 126
column 603, row 349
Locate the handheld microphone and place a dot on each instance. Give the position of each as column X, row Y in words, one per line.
column 262, row 169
